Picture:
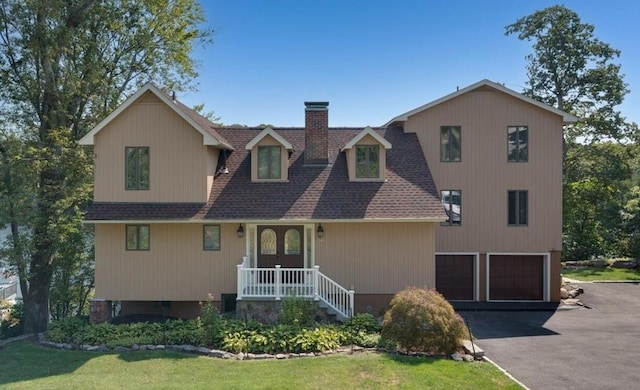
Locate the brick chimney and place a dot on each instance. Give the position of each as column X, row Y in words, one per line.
column 316, row 136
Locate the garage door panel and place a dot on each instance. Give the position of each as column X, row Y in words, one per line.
column 455, row 276
column 516, row 277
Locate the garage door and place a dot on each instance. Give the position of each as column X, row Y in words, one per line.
column 516, row 277
column 454, row 276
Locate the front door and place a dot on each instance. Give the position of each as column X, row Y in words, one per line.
column 283, row 245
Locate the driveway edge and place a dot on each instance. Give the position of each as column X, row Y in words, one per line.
column 502, row 370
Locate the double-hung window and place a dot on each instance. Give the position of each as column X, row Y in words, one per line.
column 518, row 143
column 452, row 202
column 450, row 143
column 367, row 157
column 269, row 162
column 211, row 237
column 137, row 237
column 137, row 168
column 518, row 208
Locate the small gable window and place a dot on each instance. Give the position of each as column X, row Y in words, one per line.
column 269, row 156
column 269, row 162
column 367, row 161
column 137, row 168
column 366, row 155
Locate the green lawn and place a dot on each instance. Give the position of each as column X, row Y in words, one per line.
column 592, row 273
column 24, row 365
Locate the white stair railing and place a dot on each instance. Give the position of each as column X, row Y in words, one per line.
column 278, row 282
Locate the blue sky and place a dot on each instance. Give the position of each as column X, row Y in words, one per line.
column 373, row 60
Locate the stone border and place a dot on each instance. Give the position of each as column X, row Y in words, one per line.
column 219, row 354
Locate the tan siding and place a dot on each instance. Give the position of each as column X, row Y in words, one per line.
column 178, row 168
column 485, row 176
column 176, row 268
column 378, row 258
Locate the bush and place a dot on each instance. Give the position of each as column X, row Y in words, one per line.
column 13, row 325
column 296, row 311
column 420, row 319
column 211, row 322
column 68, row 330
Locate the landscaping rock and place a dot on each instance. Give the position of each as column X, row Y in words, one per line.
column 218, row 354
column 121, row 349
column 262, row 356
column 596, row 263
column 574, row 293
column 92, row 348
column 135, row 347
column 624, row 263
column 102, row 348
column 203, row 351
column 456, row 356
column 160, row 347
column 281, row 356
column 564, row 294
column 468, row 358
column 472, row 349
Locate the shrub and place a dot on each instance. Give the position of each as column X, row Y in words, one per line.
column 420, row 319
column 68, row 330
column 13, row 325
column 211, row 323
column 317, row 340
column 296, row 311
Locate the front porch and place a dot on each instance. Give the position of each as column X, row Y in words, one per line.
column 260, row 284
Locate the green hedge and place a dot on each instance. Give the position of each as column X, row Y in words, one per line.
column 228, row 334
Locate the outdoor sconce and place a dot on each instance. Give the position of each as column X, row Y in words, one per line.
column 240, row 231
column 320, row 231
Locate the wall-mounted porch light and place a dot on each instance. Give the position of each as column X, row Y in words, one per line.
column 240, row 231
column 320, row 231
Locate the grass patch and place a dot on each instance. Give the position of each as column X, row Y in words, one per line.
column 29, row 366
column 591, row 273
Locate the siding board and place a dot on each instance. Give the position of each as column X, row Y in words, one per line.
column 485, row 176
column 168, row 136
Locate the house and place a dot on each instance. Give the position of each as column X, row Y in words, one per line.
column 346, row 216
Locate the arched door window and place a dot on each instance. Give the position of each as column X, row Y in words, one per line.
column 268, row 242
column 292, row 242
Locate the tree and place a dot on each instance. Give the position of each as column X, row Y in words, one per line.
column 64, row 65
column 574, row 71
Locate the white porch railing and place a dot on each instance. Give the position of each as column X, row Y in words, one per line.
column 277, row 283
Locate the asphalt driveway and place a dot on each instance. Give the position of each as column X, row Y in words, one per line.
column 597, row 348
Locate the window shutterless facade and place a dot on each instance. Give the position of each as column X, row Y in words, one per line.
column 518, row 143
column 269, row 162
column 137, row 168
column 367, row 161
column 137, row 237
column 450, row 143
column 518, row 208
column 211, row 237
column 452, row 202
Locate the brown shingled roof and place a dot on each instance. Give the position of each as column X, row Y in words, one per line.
column 312, row 192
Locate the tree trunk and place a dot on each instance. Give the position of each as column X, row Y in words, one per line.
column 36, row 301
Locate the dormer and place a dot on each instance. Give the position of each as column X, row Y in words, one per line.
column 269, row 156
column 366, row 156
